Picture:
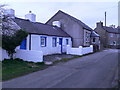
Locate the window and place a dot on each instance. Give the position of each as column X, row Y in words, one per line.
column 93, row 39
column 54, row 42
column 111, row 43
column 114, row 42
column 60, row 41
column 111, row 34
column 87, row 37
column 43, row 41
column 67, row 41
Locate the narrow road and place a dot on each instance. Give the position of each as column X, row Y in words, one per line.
column 91, row 71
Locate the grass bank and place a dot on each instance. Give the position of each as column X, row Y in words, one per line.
column 17, row 67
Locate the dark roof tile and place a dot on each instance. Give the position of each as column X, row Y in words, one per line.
column 40, row 28
column 111, row 29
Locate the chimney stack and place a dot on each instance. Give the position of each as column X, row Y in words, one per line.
column 100, row 24
column 9, row 12
column 113, row 26
column 31, row 16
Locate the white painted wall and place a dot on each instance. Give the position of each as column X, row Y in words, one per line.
column 26, row 55
column 29, row 55
column 74, row 51
column 49, row 49
column 86, row 50
column 79, row 51
column 4, row 54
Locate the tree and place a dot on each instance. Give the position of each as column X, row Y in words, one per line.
column 9, row 43
column 12, row 34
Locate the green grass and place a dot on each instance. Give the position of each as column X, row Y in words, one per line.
column 15, row 68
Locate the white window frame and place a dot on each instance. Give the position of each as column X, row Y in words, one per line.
column 54, row 42
column 43, row 41
column 67, row 41
column 87, row 37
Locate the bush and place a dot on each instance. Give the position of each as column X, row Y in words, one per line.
column 9, row 43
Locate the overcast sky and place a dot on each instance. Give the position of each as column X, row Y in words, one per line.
column 88, row 12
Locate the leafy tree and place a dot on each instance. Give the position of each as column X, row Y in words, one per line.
column 9, row 43
column 12, row 35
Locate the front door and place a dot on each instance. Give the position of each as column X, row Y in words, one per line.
column 23, row 44
column 60, row 43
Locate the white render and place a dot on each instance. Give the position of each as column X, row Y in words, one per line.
column 29, row 55
column 36, row 53
column 30, row 16
column 4, row 55
column 49, row 49
column 35, row 44
column 26, row 55
column 79, row 51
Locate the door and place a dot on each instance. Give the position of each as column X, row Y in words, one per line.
column 60, row 43
column 23, row 44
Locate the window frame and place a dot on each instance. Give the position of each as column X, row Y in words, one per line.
column 54, row 42
column 44, row 41
column 67, row 41
column 87, row 37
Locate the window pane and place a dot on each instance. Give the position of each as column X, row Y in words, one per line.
column 43, row 41
column 54, row 42
column 67, row 41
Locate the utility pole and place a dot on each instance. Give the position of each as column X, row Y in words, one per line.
column 105, row 18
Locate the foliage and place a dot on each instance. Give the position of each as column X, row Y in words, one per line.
column 9, row 43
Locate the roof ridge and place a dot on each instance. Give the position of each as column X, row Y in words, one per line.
column 22, row 19
column 73, row 18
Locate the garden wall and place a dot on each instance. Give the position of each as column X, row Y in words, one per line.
column 79, row 51
column 26, row 55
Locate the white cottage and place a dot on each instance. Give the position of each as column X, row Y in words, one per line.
column 42, row 37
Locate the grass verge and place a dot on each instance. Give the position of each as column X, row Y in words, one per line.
column 17, row 67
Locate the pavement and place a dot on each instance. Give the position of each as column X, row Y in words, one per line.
column 97, row 70
column 56, row 57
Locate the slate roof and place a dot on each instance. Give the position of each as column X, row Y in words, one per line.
column 73, row 18
column 40, row 28
column 111, row 30
column 94, row 34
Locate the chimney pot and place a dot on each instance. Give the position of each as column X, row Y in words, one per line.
column 30, row 11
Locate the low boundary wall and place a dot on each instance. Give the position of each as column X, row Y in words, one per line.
column 79, row 51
